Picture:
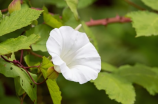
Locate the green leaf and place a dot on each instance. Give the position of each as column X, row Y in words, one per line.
column 116, row 87
column 2, row 93
column 66, row 15
column 52, row 85
column 151, row 3
column 10, row 70
column 14, row 6
column 46, row 63
column 62, row 3
column 32, row 60
column 15, row 44
column 19, row 90
column 85, row 3
column 141, row 75
column 1, row 16
column 51, row 20
column 43, row 31
column 90, row 35
column 18, row 19
column 145, row 23
column 73, row 6
column 10, row 100
column 107, row 67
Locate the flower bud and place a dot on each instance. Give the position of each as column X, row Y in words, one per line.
column 14, row 6
column 51, row 73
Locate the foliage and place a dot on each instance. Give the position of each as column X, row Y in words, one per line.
column 15, row 44
column 51, row 83
column 121, row 89
column 10, row 70
column 129, row 72
column 18, row 19
column 151, row 3
column 73, row 6
column 51, row 20
column 43, row 31
column 144, row 26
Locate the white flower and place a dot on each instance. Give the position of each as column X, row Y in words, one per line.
column 73, row 55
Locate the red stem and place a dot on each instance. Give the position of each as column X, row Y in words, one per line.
column 106, row 21
column 33, row 79
column 4, row 10
column 6, row 59
column 17, row 63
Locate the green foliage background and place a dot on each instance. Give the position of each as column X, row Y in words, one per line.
column 117, row 44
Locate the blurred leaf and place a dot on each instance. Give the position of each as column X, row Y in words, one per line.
column 15, row 44
column 50, row 19
column 18, row 19
column 10, row 70
column 145, row 26
column 1, row 16
column 85, row 3
column 141, row 75
column 107, row 67
column 46, row 63
column 67, row 14
column 1, row 90
column 151, row 3
column 43, row 31
column 32, row 60
column 12, row 57
column 90, row 35
column 52, row 85
column 62, row 3
column 116, row 87
column 9, row 100
column 27, row 2
column 15, row 5
column 19, row 90
column 73, row 7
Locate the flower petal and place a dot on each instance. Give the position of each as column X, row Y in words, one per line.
column 73, row 55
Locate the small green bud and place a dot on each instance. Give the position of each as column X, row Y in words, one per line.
column 14, row 6
column 51, row 73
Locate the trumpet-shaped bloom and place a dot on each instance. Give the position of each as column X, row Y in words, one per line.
column 73, row 55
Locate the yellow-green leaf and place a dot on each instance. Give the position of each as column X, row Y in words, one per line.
column 116, row 87
column 51, row 83
column 15, row 44
column 18, row 19
column 151, row 3
column 73, row 6
column 145, row 23
column 51, row 20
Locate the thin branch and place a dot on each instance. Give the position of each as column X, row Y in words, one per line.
column 106, row 21
column 33, row 79
column 5, row 59
column 134, row 5
column 4, row 10
column 17, row 63
column 22, row 99
column 35, row 54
